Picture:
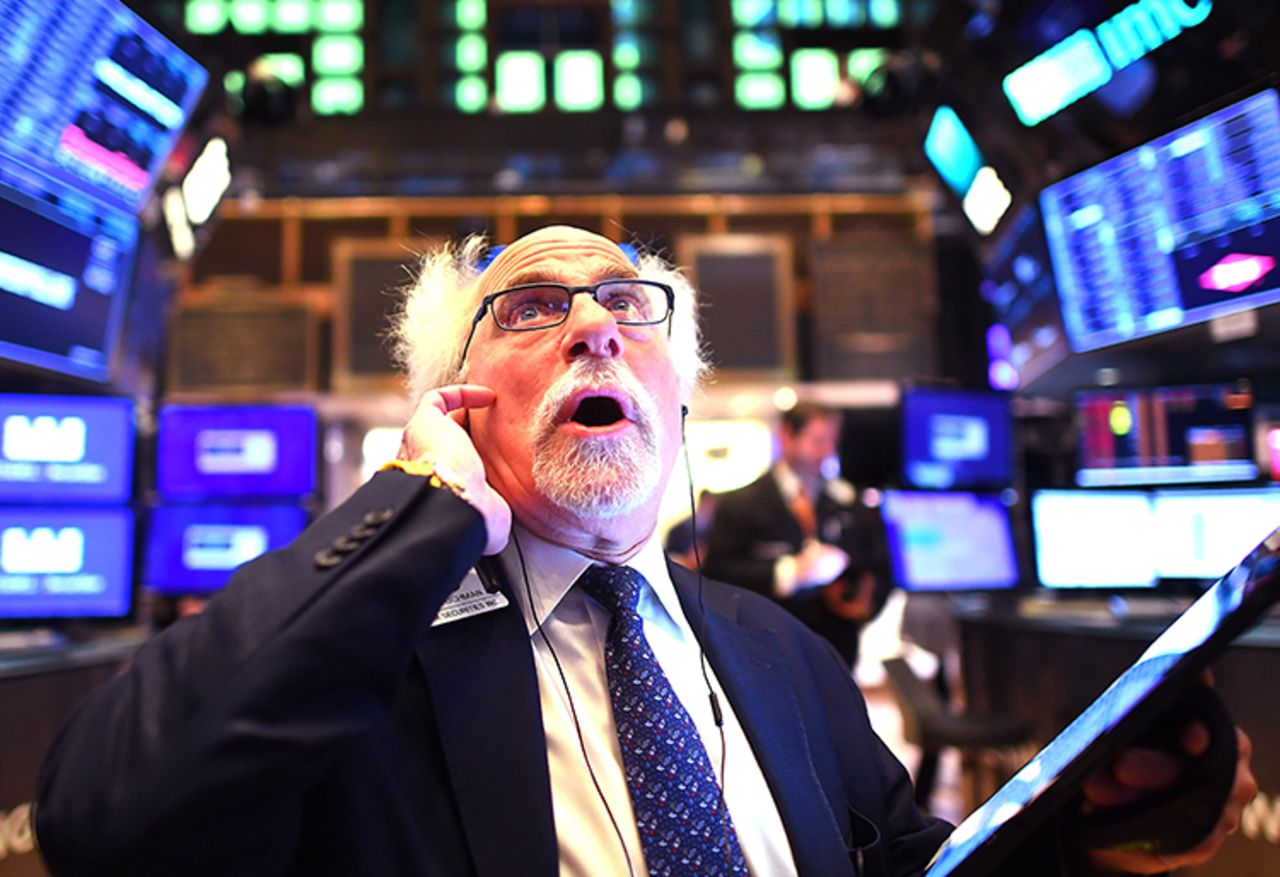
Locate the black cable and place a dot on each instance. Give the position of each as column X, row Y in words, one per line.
column 573, row 710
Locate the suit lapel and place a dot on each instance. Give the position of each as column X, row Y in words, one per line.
column 481, row 675
column 746, row 661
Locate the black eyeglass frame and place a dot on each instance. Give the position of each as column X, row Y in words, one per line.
column 486, row 306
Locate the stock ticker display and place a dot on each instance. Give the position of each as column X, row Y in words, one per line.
column 92, row 95
column 1180, row 230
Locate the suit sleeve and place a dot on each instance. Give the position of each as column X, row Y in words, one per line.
column 227, row 719
column 732, row 547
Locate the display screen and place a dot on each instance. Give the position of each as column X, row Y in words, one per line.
column 236, row 451
column 65, row 562
column 1018, row 283
column 65, row 449
column 92, row 95
column 1180, row 230
column 949, row 541
column 1166, row 435
column 193, row 549
column 1203, row 533
column 951, row 149
column 956, row 439
column 66, row 265
column 1094, row 539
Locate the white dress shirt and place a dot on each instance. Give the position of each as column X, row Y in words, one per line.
column 576, row 626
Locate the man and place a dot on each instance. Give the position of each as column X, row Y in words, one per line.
column 362, row 702
column 800, row 538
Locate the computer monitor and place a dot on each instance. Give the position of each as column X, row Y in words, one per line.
column 956, row 439
column 65, row 563
column 217, row 451
column 1194, row 434
column 1204, row 533
column 65, row 449
column 193, row 549
column 92, row 96
column 949, row 541
column 1094, row 539
column 66, row 266
column 1180, row 230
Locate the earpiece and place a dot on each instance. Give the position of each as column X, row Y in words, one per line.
column 684, row 411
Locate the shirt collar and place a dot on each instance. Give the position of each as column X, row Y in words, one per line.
column 553, row 569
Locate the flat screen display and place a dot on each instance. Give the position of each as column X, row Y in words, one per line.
column 952, row 151
column 65, row 562
column 1018, row 283
column 71, row 449
column 956, row 439
column 92, row 95
column 66, row 266
column 236, row 451
column 1203, row 533
column 192, row 549
column 1166, row 435
column 949, row 541
column 1094, row 539
column 1180, row 230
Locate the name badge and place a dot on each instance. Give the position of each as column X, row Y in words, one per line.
column 470, row 599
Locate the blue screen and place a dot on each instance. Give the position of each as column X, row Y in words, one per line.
column 951, row 149
column 1178, row 231
column 65, row 449
column 236, row 451
column 65, row 562
column 949, row 541
column 956, row 439
column 193, row 549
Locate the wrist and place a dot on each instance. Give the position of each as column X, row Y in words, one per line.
column 438, row 475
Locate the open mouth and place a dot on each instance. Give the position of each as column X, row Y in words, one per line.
column 597, row 411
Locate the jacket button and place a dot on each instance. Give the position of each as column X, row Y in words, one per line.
column 362, row 531
column 346, row 544
column 327, row 558
column 378, row 517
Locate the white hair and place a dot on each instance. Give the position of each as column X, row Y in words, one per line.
column 431, row 325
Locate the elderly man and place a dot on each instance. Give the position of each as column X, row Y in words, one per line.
column 386, row 697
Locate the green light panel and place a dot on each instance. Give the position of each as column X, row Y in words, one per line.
column 291, row 16
column 233, row 83
column 339, row 16
column 757, row 50
column 754, row 13
column 287, row 67
column 337, row 55
column 629, row 13
column 631, row 92
column 249, row 16
column 885, row 13
column 626, row 50
column 520, row 82
column 471, row 53
column 759, row 91
column 815, row 73
column 579, row 81
column 337, row 95
column 205, row 16
column 471, row 94
column 863, row 62
column 800, row 13
column 469, row 14
column 846, row 13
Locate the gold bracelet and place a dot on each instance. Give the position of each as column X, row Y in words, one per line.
column 437, row 475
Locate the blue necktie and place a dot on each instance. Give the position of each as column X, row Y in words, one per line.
column 680, row 813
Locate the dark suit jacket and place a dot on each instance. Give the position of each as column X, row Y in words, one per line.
column 311, row 722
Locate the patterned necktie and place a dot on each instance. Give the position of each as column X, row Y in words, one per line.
column 684, row 825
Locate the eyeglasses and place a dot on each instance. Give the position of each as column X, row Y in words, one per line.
column 534, row 306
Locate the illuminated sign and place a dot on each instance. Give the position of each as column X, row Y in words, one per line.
column 955, row 155
column 1237, row 272
column 1086, row 60
column 192, row 549
column 65, row 449
column 44, row 439
column 65, row 562
column 41, row 550
column 221, row 547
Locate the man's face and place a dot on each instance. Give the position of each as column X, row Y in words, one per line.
column 805, row 449
column 585, row 426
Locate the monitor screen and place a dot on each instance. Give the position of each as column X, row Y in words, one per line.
column 956, row 439
column 192, row 549
column 1018, row 284
column 1180, row 230
column 236, row 451
column 1094, row 539
column 1204, row 533
column 949, row 541
column 1166, row 435
column 74, row 449
column 66, row 265
column 92, row 95
column 65, row 562
column 951, row 149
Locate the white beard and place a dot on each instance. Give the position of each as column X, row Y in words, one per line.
column 596, row 477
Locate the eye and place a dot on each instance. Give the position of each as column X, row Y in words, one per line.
column 527, row 308
column 625, row 301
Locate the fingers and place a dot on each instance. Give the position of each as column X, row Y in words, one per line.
column 1130, row 777
column 459, row 396
column 1194, row 739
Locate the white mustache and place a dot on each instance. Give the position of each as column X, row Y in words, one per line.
column 590, row 374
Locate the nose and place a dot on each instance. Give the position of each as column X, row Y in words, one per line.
column 590, row 330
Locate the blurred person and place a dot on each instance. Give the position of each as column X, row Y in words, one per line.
column 686, row 539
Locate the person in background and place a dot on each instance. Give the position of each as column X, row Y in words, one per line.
column 481, row 663
column 799, row 537
column 686, row 542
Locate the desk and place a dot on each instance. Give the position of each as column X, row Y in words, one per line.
column 1051, row 668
